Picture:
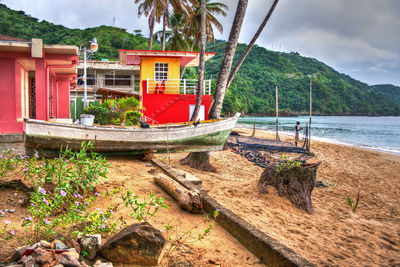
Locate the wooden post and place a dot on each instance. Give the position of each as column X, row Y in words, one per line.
column 277, row 112
column 309, row 123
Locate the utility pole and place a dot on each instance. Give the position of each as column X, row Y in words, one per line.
column 309, row 123
column 277, row 113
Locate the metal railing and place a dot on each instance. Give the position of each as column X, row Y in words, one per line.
column 177, row 86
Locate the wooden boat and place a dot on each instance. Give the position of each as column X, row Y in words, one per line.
column 48, row 137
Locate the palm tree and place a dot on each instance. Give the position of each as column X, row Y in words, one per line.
column 200, row 85
column 175, row 38
column 201, row 160
column 153, row 9
column 194, row 20
column 179, row 6
column 251, row 44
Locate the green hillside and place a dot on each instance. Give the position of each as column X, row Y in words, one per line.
column 253, row 89
column 389, row 90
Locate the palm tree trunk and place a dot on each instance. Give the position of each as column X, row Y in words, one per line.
column 200, row 84
column 151, row 27
column 226, row 65
column 251, row 44
column 164, row 30
column 191, row 49
column 201, row 160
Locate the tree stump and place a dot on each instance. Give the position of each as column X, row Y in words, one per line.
column 292, row 182
column 199, row 161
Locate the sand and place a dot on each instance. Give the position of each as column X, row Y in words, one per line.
column 217, row 248
column 333, row 235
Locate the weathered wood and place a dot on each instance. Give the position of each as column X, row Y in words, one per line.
column 187, row 199
column 294, row 183
column 207, row 136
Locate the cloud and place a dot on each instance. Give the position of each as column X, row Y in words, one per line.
column 345, row 34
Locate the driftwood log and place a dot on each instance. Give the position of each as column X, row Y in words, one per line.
column 295, row 183
column 187, row 199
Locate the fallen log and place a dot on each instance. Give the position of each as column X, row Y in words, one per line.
column 187, row 199
column 292, row 182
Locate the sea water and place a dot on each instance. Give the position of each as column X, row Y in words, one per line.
column 377, row 133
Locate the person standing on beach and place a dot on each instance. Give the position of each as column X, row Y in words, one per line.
column 297, row 132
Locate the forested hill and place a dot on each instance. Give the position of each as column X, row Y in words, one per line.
column 253, row 89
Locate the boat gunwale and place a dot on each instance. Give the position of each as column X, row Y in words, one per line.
column 172, row 128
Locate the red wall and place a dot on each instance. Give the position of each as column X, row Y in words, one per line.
column 177, row 111
column 63, row 99
column 8, row 100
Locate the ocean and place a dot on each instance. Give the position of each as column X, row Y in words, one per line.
column 376, row 133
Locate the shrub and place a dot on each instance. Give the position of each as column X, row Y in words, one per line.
column 116, row 112
column 132, row 117
column 63, row 193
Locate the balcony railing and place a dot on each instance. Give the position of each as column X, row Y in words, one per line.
column 178, row 86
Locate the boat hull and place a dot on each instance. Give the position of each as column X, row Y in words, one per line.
column 48, row 138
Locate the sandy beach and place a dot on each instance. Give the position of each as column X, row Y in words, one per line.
column 333, row 235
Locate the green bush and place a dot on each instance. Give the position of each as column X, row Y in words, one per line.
column 116, row 112
column 132, row 117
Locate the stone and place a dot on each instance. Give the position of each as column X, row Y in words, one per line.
column 67, row 260
column 28, row 261
column 138, row 243
column 73, row 253
column 11, row 210
column 91, row 244
column 98, row 263
column 45, row 244
column 18, row 253
column 73, row 243
column 58, row 245
column 42, row 256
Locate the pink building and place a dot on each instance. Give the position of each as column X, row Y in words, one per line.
column 35, row 80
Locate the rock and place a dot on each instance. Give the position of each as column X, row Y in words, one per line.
column 18, row 253
column 139, row 244
column 73, row 253
column 67, row 260
column 91, row 244
column 42, row 256
column 98, row 263
column 148, row 165
column 45, row 244
column 58, row 245
column 72, row 243
column 11, row 210
column 28, row 261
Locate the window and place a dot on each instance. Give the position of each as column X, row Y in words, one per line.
column 161, row 71
column 118, row 80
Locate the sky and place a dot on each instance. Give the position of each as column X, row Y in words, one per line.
column 360, row 38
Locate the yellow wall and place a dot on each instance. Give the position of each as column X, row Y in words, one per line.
column 147, row 72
